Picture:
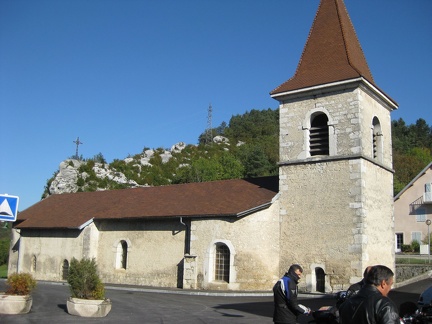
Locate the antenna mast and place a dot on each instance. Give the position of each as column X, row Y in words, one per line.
column 77, row 142
column 209, row 132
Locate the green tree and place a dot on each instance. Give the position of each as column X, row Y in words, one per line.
column 231, row 168
column 255, row 161
column 412, row 151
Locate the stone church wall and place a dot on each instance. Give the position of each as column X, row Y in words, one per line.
column 254, row 246
column 42, row 252
column 155, row 250
column 317, row 221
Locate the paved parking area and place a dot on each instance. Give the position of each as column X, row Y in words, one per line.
column 140, row 305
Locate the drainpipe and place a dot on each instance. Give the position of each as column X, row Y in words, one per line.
column 187, row 236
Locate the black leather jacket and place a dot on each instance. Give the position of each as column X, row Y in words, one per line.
column 368, row 306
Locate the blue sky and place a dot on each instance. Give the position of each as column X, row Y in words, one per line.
column 128, row 74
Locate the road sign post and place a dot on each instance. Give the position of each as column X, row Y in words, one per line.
column 8, row 208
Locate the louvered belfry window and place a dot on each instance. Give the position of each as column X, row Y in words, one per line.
column 376, row 139
column 319, row 135
column 222, row 263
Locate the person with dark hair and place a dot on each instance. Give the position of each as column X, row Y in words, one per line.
column 286, row 306
column 354, row 288
column 371, row 304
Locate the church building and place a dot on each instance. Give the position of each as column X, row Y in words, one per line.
column 330, row 209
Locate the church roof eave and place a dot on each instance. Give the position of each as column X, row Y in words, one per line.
column 320, row 88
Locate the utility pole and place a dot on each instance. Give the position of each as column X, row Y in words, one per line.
column 428, row 222
column 209, row 131
column 77, row 142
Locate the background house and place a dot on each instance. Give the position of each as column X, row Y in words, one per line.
column 412, row 207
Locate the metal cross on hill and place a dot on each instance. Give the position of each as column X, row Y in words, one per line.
column 77, row 142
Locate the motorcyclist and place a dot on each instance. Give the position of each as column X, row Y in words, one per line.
column 286, row 306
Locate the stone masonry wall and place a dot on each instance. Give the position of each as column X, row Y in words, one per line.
column 336, row 210
column 253, row 241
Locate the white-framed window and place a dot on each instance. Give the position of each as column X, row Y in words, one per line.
column 399, row 241
column 420, row 215
column 416, row 236
column 222, row 263
column 428, row 192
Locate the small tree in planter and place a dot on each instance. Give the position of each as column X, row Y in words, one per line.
column 17, row 298
column 87, row 290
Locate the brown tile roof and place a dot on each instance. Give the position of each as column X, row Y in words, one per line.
column 204, row 199
column 332, row 52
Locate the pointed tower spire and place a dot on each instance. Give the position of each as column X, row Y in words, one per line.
column 332, row 52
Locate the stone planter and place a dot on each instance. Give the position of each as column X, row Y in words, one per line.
column 88, row 307
column 15, row 304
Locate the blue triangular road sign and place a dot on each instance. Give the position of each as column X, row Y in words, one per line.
column 8, row 208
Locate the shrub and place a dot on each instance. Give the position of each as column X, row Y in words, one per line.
column 84, row 280
column 415, row 246
column 20, row 284
column 406, row 248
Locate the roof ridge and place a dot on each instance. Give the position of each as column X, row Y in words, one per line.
column 344, row 37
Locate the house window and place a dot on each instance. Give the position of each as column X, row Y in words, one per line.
column 399, row 241
column 222, row 263
column 33, row 264
column 65, row 269
column 428, row 193
column 121, row 255
column 319, row 135
column 377, row 139
column 416, row 236
column 420, row 215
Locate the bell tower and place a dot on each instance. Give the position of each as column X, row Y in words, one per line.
column 335, row 169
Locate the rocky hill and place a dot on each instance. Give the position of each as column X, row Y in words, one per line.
column 89, row 175
column 247, row 147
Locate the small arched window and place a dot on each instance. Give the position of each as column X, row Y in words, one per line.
column 222, row 263
column 377, row 146
column 121, row 257
column 33, row 264
column 65, row 269
column 319, row 135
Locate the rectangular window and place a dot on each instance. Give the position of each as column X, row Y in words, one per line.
column 399, row 241
column 416, row 236
column 420, row 215
column 428, row 193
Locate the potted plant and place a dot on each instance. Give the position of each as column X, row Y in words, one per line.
column 17, row 298
column 87, row 290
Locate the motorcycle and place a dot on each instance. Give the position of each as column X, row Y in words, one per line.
column 410, row 314
column 329, row 314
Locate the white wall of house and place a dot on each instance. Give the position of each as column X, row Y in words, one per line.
column 412, row 210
